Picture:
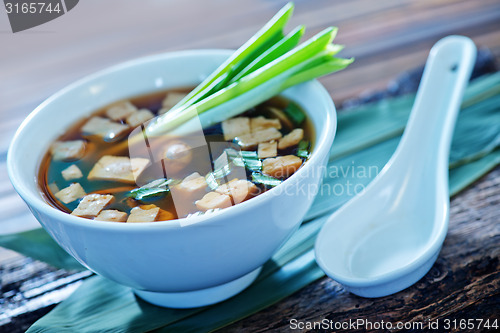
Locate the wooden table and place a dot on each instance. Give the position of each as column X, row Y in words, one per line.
column 386, row 37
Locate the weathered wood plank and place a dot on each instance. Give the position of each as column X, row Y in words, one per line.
column 30, row 289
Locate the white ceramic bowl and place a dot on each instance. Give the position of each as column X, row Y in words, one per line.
column 170, row 263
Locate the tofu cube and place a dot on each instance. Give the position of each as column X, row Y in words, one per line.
column 260, row 123
column 138, row 166
column 72, row 172
column 192, row 187
column 267, row 149
column 105, row 128
column 238, row 190
column 139, row 117
column 92, row 204
column 121, row 110
column 171, row 100
column 118, row 168
column 249, row 141
column 213, row 200
column 67, row 150
column 281, row 166
column 143, row 213
column 235, row 127
column 70, row 193
column 291, row 139
column 112, row 215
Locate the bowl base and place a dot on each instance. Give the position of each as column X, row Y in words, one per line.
column 201, row 297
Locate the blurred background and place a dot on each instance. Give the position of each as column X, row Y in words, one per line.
column 386, row 37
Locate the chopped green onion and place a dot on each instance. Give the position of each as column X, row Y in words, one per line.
column 251, row 160
column 256, row 45
column 235, row 157
column 294, row 112
column 215, row 176
column 222, row 172
column 212, row 181
column 152, row 191
column 269, row 181
column 247, row 159
column 277, row 50
column 303, row 149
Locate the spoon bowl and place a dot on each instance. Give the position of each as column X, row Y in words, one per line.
column 389, row 236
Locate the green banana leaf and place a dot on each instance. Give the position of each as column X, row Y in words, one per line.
column 39, row 245
column 369, row 124
column 367, row 137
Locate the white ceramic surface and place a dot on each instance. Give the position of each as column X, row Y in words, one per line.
column 169, row 257
column 388, row 237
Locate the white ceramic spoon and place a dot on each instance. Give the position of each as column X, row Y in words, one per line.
column 388, row 237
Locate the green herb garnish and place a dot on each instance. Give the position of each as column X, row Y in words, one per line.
column 251, row 160
column 152, row 191
column 269, row 181
column 247, row 159
column 295, row 114
column 235, row 157
column 243, row 159
column 215, row 176
column 303, row 149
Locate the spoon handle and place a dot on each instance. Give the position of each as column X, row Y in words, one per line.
column 426, row 141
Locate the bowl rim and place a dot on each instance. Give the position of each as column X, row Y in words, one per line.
column 323, row 141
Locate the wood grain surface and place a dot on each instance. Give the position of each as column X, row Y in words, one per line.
column 386, row 37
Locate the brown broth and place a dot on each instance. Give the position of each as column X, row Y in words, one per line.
column 50, row 170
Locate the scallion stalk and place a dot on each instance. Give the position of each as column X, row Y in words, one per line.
column 264, row 66
column 272, row 31
column 276, row 51
column 271, row 77
column 322, row 69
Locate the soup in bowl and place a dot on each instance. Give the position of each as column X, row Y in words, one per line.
column 169, row 224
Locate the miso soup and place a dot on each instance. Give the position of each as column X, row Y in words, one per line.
column 89, row 171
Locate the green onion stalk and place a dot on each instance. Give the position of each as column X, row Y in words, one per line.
column 264, row 66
